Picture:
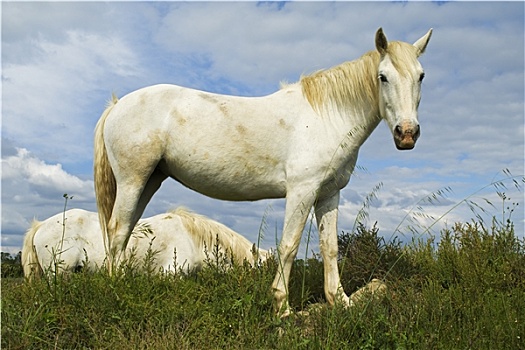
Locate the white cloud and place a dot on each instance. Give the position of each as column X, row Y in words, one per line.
column 62, row 60
column 48, row 96
column 41, row 176
column 261, row 46
column 31, row 188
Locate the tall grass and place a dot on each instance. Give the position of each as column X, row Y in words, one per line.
column 461, row 289
column 467, row 291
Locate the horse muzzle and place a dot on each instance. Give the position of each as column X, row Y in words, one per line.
column 406, row 135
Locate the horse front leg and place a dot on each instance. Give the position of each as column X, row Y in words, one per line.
column 298, row 205
column 326, row 211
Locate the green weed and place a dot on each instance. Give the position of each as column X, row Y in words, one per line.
column 461, row 289
column 467, row 291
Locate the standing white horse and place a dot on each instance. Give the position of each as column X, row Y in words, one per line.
column 179, row 240
column 300, row 142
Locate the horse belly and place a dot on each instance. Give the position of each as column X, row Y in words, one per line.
column 235, row 180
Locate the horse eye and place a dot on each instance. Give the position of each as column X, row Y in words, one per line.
column 421, row 77
column 383, row 78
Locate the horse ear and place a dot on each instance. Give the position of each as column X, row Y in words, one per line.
column 421, row 43
column 381, row 42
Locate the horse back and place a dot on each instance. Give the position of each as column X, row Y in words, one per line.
column 227, row 147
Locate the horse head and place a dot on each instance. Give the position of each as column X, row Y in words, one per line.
column 400, row 75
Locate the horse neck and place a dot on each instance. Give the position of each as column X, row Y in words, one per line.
column 348, row 91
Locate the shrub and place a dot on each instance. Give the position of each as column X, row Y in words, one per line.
column 464, row 289
column 364, row 255
column 11, row 265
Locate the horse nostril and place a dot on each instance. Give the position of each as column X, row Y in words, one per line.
column 418, row 132
column 398, row 130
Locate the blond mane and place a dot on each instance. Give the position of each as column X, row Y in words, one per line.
column 350, row 83
column 344, row 84
column 206, row 232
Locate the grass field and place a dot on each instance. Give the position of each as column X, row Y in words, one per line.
column 465, row 292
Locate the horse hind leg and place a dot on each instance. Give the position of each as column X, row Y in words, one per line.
column 121, row 222
column 130, row 202
column 151, row 187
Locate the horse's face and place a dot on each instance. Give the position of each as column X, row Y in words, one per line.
column 400, row 75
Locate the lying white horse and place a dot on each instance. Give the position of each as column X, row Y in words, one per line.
column 300, row 142
column 180, row 240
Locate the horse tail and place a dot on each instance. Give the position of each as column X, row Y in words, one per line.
column 30, row 262
column 105, row 183
column 206, row 232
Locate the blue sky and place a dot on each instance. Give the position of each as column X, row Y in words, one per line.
column 61, row 62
